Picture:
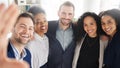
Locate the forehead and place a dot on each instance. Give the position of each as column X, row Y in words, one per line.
column 106, row 18
column 89, row 18
column 25, row 20
column 65, row 8
column 40, row 15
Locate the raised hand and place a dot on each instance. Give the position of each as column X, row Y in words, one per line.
column 8, row 17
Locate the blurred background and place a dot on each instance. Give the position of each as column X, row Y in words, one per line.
column 51, row 6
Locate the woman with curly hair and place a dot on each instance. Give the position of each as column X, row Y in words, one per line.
column 90, row 47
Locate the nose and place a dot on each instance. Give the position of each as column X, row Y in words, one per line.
column 43, row 23
column 67, row 16
column 88, row 27
column 26, row 30
column 106, row 26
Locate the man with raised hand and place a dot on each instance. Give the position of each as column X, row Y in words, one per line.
column 6, row 24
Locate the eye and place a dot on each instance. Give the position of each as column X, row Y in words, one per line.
column 102, row 23
column 70, row 13
column 45, row 20
column 85, row 24
column 22, row 26
column 31, row 29
column 91, row 23
column 109, row 22
column 37, row 22
column 63, row 13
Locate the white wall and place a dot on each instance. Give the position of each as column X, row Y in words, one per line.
column 109, row 4
column 81, row 6
column 51, row 7
column 91, row 5
column 4, row 1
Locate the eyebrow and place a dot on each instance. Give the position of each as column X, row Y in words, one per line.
column 26, row 25
column 23, row 24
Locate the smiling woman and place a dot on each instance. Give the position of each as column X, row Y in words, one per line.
column 90, row 46
column 111, row 26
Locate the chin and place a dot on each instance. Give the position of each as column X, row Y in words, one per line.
column 25, row 42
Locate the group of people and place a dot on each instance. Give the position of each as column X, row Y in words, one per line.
column 91, row 42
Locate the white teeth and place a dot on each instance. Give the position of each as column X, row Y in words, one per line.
column 43, row 27
column 25, row 36
column 108, row 29
column 89, row 31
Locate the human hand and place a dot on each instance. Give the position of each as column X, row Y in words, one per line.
column 7, row 19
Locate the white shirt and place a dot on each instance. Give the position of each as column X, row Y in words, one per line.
column 18, row 56
column 39, row 48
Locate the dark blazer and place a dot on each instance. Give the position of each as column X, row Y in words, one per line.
column 58, row 58
column 10, row 54
column 112, row 52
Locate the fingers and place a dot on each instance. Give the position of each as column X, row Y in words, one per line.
column 7, row 19
column 11, row 15
column 2, row 8
column 12, row 63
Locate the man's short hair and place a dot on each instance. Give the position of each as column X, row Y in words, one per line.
column 67, row 3
column 26, row 15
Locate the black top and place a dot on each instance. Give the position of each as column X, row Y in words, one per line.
column 89, row 53
column 112, row 52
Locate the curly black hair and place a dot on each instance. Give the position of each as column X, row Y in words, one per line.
column 80, row 32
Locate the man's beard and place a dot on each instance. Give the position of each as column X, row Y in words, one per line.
column 64, row 23
column 20, row 41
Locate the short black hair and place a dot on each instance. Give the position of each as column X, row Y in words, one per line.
column 35, row 10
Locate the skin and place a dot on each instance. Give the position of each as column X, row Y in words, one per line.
column 109, row 25
column 22, row 33
column 41, row 25
column 90, row 26
column 66, row 14
column 7, row 21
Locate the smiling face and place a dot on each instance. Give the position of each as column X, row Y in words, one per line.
column 66, row 14
column 109, row 25
column 90, row 26
column 23, row 30
column 41, row 25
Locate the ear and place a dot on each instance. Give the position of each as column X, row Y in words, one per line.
column 12, row 30
column 58, row 13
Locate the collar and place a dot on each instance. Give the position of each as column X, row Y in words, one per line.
column 18, row 56
column 39, row 37
column 59, row 28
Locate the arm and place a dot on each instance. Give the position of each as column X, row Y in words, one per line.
column 7, row 19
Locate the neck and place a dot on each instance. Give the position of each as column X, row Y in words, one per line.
column 17, row 45
column 64, row 27
column 40, row 34
column 113, row 34
column 93, row 36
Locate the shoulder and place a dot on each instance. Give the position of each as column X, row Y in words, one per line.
column 104, row 38
column 52, row 22
column 27, row 51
